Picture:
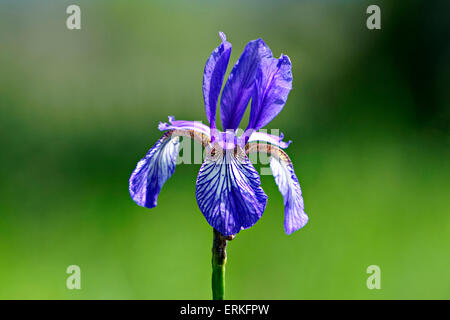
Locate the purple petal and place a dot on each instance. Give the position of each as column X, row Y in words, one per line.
column 184, row 125
column 229, row 194
column 261, row 136
column 239, row 87
column 283, row 172
column 215, row 69
column 154, row 170
column 272, row 86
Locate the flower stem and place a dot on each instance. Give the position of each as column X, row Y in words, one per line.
column 219, row 259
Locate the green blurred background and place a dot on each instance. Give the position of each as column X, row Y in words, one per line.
column 369, row 117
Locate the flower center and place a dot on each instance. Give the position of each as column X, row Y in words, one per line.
column 227, row 140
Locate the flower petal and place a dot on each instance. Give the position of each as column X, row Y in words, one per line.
column 294, row 213
column 239, row 87
column 287, row 182
column 154, row 170
column 272, row 86
column 184, row 125
column 229, row 194
column 262, row 136
column 215, row 69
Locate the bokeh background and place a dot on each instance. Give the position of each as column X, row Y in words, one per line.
column 369, row 117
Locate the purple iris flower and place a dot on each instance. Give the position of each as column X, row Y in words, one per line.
column 228, row 188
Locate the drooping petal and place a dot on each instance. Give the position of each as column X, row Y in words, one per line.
column 276, row 140
column 184, row 125
column 154, row 170
column 272, row 86
column 239, row 86
column 288, row 184
column 228, row 192
column 215, row 69
column 294, row 213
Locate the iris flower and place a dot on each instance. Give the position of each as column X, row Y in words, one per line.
column 228, row 188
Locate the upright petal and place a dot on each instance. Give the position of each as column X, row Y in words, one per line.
column 229, row 193
column 215, row 69
column 272, row 86
column 239, row 87
column 287, row 182
column 154, row 170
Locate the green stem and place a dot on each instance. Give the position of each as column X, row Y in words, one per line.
column 219, row 259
